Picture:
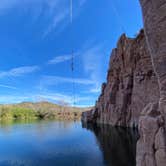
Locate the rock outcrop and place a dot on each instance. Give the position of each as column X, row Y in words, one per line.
column 131, row 85
column 154, row 14
column 151, row 147
column 135, row 92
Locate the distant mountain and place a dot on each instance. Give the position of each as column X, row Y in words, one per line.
column 40, row 110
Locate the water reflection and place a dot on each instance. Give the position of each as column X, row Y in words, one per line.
column 48, row 143
column 61, row 143
column 118, row 145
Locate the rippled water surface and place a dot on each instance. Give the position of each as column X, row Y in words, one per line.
column 55, row 143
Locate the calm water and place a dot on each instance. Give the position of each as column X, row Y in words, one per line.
column 65, row 143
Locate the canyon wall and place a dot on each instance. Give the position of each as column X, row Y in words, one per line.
column 151, row 147
column 135, row 91
column 131, row 85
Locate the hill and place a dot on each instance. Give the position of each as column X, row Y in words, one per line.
column 40, row 110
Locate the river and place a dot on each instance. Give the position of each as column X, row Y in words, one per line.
column 65, row 143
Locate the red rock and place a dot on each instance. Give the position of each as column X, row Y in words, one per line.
column 131, row 84
column 154, row 14
column 136, row 80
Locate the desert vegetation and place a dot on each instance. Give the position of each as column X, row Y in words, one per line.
column 40, row 110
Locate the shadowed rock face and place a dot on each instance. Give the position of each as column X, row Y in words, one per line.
column 131, row 85
column 151, row 147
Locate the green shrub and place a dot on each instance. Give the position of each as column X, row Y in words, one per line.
column 23, row 113
column 5, row 113
column 16, row 113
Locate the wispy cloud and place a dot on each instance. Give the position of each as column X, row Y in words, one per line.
column 60, row 59
column 35, row 97
column 93, row 57
column 10, row 99
column 63, row 15
column 96, row 89
column 56, row 12
column 59, row 19
column 7, row 86
column 52, row 80
column 7, row 4
column 19, row 71
column 57, row 97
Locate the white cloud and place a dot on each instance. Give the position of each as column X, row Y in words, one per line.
column 8, row 99
column 56, row 12
column 94, row 58
column 35, row 97
column 7, row 86
column 56, row 97
column 58, row 19
column 60, row 59
column 19, row 71
column 95, row 89
column 9, row 4
column 52, row 80
column 63, row 14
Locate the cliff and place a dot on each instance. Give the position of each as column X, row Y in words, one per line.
column 133, row 94
column 131, row 85
column 151, row 147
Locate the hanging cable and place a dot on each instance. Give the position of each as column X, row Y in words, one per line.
column 71, row 11
column 72, row 52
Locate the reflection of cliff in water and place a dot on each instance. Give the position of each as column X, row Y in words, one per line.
column 118, row 145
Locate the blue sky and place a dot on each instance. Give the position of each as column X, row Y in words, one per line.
column 37, row 38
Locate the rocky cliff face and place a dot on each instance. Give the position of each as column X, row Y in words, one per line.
column 133, row 95
column 131, row 85
column 151, row 147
